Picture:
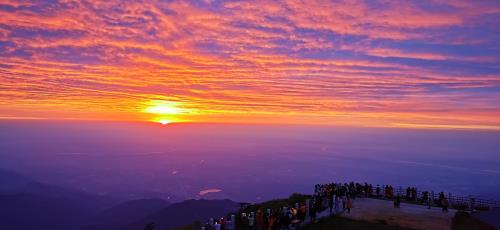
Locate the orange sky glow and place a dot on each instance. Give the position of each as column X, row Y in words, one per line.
column 409, row 64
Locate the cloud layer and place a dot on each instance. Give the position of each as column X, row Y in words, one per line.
column 403, row 63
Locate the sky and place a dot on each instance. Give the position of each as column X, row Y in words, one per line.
column 426, row 63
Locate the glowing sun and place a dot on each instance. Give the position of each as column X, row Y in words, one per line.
column 164, row 122
column 166, row 112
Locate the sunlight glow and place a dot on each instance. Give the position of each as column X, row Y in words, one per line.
column 166, row 112
column 399, row 63
column 164, row 122
column 164, row 108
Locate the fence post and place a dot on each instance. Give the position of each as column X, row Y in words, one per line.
column 382, row 191
column 471, row 205
column 450, row 200
column 431, row 203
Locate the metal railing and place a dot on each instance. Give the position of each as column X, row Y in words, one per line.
column 456, row 202
column 431, row 198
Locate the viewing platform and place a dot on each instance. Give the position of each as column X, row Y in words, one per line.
column 363, row 204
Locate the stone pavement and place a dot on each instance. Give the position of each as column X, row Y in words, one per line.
column 408, row 215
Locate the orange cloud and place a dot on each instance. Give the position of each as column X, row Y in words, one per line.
column 321, row 62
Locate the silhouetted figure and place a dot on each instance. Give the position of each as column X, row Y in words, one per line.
column 302, row 210
column 222, row 224
column 425, row 196
column 440, row 199
column 330, row 204
column 259, row 219
column 251, row 221
column 271, row 220
column 349, row 204
column 397, row 202
column 337, row 204
column 472, row 205
column 445, row 204
column 287, row 220
column 312, row 213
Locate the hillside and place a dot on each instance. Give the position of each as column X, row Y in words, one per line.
column 180, row 214
column 26, row 204
column 125, row 213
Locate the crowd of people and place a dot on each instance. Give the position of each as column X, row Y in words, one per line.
column 348, row 191
column 272, row 219
column 281, row 218
column 334, row 197
column 353, row 190
column 218, row 224
column 290, row 216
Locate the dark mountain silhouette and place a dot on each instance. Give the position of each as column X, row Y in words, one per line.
column 10, row 181
column 125, row 213
column 88, row 201
column 25, row 204
column 26, row 211
column 186, row 212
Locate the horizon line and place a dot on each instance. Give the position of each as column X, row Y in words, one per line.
column 412, row 126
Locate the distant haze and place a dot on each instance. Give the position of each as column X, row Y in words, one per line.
column 245, row 162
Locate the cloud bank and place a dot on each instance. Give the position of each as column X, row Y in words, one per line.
column 389, row 63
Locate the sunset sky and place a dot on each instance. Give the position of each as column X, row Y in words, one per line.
column 369, row 63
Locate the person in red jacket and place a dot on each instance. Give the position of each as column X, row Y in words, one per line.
column 259, row 219
column 349, row 204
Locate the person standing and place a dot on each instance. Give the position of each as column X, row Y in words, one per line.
column 287, row 219
column 330, row 204
column 271, row 219
column 397, row 201
column 303, row 211
column 349, row 204
column 343, row 204
column 312, row 213
column 259, row 219
column 251, row 221
column 445, row 204
column 222, row 223
column 337, row 204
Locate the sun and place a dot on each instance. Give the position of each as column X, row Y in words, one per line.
column 164, row 122
column 166, row 112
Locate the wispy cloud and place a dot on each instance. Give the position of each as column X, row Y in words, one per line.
column 358, row 62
